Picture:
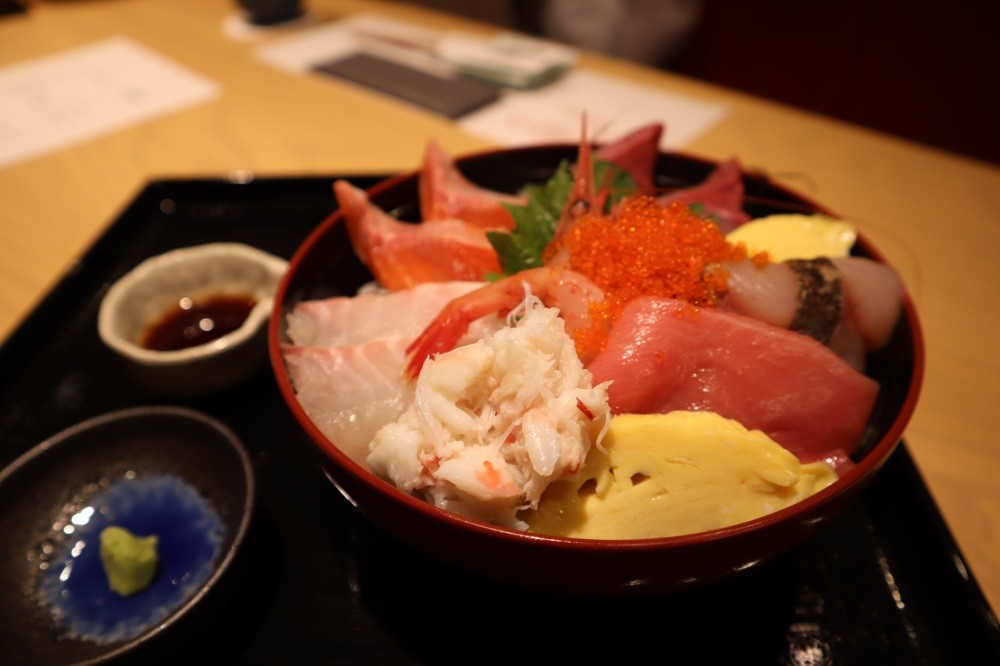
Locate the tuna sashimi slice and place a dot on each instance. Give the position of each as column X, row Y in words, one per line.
column 401, row 255
column 347, row 320
column 351, row 391
column 445, row 194
column 721, row 195
column 665, row 355
column 636, row 152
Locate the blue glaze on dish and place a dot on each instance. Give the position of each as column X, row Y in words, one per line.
column 75, row 585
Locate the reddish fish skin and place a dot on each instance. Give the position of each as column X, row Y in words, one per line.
column 445, row 194
column 664, row 355
column 721, row 194
column 636, row 152
column 402, row 255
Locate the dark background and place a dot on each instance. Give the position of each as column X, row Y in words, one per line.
column 923, row 71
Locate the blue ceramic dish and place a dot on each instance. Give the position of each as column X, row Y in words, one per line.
column 167, row 471
column 74, row 584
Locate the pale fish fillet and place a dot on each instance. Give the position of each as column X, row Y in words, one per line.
column 874, row 295
column 769, row 293
column 347, row 320
column 350, row 391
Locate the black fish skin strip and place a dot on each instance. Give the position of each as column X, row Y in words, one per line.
column 820, row 299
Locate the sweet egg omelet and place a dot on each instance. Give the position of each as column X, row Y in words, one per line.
column 671, row 474
column 796, row 236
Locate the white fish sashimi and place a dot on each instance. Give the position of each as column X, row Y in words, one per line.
column 347, row 355
column 350, row 391
column 874, row 293
column 348, row 320
column 769, row 293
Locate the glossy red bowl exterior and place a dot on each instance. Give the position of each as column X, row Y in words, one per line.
column 325, row 265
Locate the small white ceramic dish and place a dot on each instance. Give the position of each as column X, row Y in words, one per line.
column 143, row 295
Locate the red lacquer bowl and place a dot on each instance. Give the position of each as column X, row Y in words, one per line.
column 325, row 265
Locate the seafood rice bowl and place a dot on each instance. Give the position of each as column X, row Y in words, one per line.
column 594, row 369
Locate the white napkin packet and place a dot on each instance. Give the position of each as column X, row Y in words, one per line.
column 507, row 59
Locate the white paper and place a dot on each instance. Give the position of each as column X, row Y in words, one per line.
column 439, row 53
column 551, row 114
column 301, row 52
column 56, row 101
column 612, row 107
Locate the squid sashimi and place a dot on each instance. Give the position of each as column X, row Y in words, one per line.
column 664, row 355
column 350, row 391
column 720, row 195
column 445, row 194
column 401, row 255
column 347, row 320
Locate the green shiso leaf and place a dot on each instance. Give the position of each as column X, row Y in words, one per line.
column 535, row 222
column 619, row 182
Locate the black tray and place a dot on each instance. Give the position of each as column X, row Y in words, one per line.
column 884, row 583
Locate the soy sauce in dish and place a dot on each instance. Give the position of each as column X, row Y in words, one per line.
column 194, row 322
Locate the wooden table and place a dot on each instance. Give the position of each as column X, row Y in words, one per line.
column 935, row 215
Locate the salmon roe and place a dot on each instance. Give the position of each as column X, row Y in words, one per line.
column 645, row 249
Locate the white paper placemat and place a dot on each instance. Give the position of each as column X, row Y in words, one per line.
column 59, row 100
column 612, row 107
column 550, row 114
